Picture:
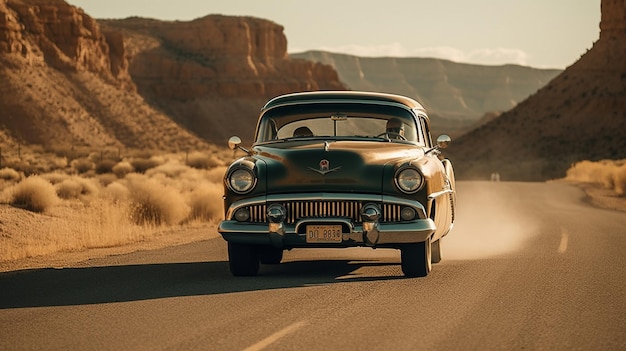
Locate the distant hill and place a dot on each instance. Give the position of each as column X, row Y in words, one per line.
column 580, row 114
column 456, row 95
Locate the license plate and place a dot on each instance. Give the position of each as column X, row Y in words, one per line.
column 323, row 234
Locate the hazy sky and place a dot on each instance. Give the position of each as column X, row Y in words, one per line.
column 537, row 33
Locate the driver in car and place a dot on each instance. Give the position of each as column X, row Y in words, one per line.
column 395, row 128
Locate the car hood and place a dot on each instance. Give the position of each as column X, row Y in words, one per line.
column 332, row 166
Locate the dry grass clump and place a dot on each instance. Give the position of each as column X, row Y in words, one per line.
column 141, row 165
column 155, row 204
column 170, row 168
column 206, row 203
column 9, row 174
column 106, row 178
column 77, row 187
column 82, row 165
column 8, row 177
column 608, row 173
column 202, row 160
column 122, row 168
column 34, row 194
column 116, row 192
column 105, row 166
column 619, row 178
column 107, row 224
column 55, row 177
column 216, row 175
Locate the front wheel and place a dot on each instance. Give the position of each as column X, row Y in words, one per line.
column 416, row 259
column 243, row 259
column 270, row 255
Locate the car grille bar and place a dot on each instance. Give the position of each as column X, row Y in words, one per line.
column 297, row 210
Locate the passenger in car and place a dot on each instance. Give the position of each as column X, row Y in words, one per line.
column 302, row 132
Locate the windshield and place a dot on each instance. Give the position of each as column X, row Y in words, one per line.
column 338, row 121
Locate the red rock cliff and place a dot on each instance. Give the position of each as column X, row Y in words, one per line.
column 64, row 83
column 62, row 36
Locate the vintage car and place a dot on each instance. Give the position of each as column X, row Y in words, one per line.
column 338, row 169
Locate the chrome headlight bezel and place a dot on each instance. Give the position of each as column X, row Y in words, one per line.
column 409, row 180
column 241, row 180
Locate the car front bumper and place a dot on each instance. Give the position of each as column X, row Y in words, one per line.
column 292, row 236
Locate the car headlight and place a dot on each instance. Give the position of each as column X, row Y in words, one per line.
column 241, row 181
column 409, row 180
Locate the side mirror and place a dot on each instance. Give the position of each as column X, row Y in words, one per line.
column 234, row 142
column 443, row 141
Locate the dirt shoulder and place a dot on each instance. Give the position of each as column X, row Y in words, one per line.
column 31, row 223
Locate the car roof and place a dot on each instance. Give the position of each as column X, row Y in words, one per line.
column 343, row 97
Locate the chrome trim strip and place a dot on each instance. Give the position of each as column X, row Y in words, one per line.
column 439, row 193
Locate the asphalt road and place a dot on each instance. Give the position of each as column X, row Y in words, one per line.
column 528, row 266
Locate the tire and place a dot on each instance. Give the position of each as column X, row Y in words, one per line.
column 416, row 259
column 243, row 260
column 435, row 251
column 270, row 255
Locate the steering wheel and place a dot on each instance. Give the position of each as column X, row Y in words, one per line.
column 390, row 134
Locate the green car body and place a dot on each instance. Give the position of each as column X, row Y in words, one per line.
column 347, row 182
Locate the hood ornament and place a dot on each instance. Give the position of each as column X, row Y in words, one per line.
column 324, row 168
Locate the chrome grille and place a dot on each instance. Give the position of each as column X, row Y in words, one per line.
column 258, row 213
column 297, row 210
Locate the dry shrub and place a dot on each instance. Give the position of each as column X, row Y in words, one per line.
column 6, row 195
column 106, row 178
column 619, row 179
column 58, row 162
column 82, row 165
column 141, row 165
column 69, row 188
column 201, row 160
column 226, row 155
column 170, row 169
column 107, row 223
column 34, row 194
column 591, row 172
column 155, row 203
column 216, row 175
column 178, row 175
column 9, row 174
column 76, row 187
column 55, row 177
column 105, row 166
column 24, row 167
column 121, row 169
column 116, row 192
column 609, row 174
column 206, row 202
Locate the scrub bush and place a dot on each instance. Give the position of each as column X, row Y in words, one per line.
column 156, row 204
column 34, row 194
